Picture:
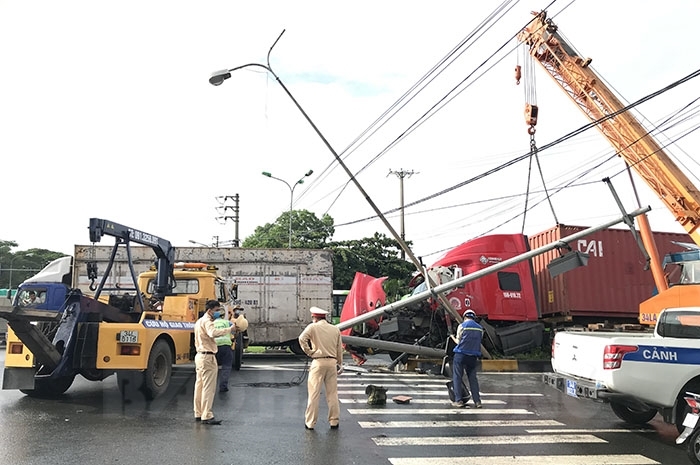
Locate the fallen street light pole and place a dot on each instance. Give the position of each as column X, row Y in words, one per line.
column 424, row 351
column 218, row 77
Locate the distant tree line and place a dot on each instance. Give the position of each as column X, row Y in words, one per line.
column 377, row 255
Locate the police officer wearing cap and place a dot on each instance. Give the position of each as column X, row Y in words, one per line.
column 205, row 363
column 321, row 341
column 466, row 355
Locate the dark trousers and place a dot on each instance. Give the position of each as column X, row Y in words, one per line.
column 460, row 364
column 224, row 358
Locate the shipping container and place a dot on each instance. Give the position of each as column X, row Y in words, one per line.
column 614, row 282
column 276, row 287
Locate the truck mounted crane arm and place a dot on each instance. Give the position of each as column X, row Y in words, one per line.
column 164, row 251
column 627, row 135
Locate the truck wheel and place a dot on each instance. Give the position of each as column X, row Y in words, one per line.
column 295, row 347
column 238, row 352
column 160, row 367
column 49, row 388
column 693, row 447
column 630, row 415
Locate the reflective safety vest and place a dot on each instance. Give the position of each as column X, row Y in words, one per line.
column 224, row 340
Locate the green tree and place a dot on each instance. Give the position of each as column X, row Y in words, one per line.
column 308, row 232
column 22, row 264
column 377, row 256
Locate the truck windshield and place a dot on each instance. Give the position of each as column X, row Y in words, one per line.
column 690, row 273
column 30, row 297
column 182, row 286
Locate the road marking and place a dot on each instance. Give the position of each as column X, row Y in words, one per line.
column 272, row 368
column 387, row 385
column 591, row 430
column 437, row 411
column 489, row 440
column 631, row 459
column 378, row 374
column 423, row 401
column 458, row 424
column 441, row 392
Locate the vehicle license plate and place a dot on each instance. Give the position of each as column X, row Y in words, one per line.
column 691, row 420
column 571, row 388
column 128, row 337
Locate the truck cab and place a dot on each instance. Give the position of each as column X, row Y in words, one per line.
column 47, row 289
column 682, row 271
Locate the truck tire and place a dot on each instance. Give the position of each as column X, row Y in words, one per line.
column 49, row 388
column 630, row 415
column 238, row 352
column 160, row 367
column 295, row 347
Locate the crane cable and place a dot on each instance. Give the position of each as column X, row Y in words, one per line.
column 531, row 113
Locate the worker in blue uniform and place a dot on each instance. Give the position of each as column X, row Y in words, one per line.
column 465, row 358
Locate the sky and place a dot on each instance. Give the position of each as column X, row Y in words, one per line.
column 106, row 112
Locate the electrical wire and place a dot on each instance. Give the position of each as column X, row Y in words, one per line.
column 296, row 381
column 407, row 97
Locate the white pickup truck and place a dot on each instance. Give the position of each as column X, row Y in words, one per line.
column 638, row 374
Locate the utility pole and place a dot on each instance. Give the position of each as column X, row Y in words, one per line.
column 224, row 209
column 401, row 174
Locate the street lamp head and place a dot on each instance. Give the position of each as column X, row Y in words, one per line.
column 309, row 173
column 217, row 77
column 265, row 173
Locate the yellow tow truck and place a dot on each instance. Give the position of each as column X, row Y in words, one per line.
column 137, row 332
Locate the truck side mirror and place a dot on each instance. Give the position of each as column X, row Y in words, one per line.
column 233, row 291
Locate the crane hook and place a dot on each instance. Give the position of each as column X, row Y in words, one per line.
column 518, row 74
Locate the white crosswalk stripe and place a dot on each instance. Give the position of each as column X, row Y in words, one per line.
column 429, row 408
column 437, row 411
column 473, row 440
column 442, row 401
column 461, row 424
column 631, row 459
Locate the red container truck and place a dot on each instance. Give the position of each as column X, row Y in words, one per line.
column 516, row 302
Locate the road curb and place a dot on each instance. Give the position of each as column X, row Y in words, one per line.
column 499, row 365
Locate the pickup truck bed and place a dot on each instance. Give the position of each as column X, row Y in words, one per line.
column 644, row 371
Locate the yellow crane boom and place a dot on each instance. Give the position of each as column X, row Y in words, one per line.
column 627, row 135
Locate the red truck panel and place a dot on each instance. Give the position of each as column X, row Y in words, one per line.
column 507, row 295
column 614, row 282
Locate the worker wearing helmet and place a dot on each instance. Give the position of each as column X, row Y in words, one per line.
column 321, row 341
column 465, row 358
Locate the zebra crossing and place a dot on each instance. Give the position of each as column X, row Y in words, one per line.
column 443, row 425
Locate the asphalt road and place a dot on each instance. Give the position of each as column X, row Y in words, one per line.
column 522, row 421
